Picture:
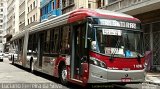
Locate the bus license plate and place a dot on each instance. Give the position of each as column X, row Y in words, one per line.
column 125, row 79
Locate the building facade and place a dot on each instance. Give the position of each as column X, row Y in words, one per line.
column 2, row 23
column 94, row 4
column 12, row 18
column 148, row 11
column 32, row 12
column 22, row 15
column 12, row 21
column 69, row 5
column 50, row 9
column 53, row 8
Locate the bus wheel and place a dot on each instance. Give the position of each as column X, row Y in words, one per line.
column 31, row 65
column 12, row 58
column 63, row 75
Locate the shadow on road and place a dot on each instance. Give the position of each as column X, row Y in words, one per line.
column 71, row 85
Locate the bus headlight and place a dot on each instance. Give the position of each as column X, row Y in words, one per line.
column 97, row 62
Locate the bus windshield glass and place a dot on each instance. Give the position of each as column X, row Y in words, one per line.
column 120, row 43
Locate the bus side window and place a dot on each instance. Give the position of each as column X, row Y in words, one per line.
column 65, row 40
column 35, row 43
column 29, row 49
column 54, row 43
column 56, row 40
column 21, row 44
column 47, row 42
column 32, row 43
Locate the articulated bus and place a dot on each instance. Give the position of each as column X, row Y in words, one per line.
column 84, row 46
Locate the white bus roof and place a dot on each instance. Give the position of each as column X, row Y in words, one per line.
column 71, row 17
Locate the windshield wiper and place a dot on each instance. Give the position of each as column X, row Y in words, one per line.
column 116, row 47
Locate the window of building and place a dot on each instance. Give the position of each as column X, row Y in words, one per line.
column 31, row 6
column 0, row 26
column 40, row 12
column 1, row 21
column 71, row 2
column 1, row 15
column 1, row 4
column 103, row 2
column 0, row 40
column 89, row 5
column 34, row 4
column 50, row 7
column 1, row 10
column 53, row 5
column 58, row 4
column 28, row 9
column 46, row 9
column 146, row 28
column 156, row 27
column 111, row 1
column 28, row 21
column 34, row 17
column 63, row 3
column 43, row 11
column 99, row 3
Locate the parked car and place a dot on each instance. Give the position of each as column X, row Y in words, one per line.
column 1, row 56
column 6, row 54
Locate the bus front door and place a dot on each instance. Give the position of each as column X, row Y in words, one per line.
column 79, row 64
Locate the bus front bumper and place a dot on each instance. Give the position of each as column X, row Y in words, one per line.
column 102, row 75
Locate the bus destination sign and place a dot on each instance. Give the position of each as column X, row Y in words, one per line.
column 117, row 23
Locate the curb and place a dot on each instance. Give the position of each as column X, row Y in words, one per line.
column 151, row 82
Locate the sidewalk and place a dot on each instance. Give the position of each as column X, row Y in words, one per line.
column 153, row 78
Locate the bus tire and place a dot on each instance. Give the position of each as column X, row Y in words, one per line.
column 63, row 75
column 12, row 59
column 31, row 65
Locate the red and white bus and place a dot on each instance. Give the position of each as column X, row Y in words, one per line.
column 84, row 46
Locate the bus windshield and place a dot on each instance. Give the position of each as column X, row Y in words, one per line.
column 120, row 43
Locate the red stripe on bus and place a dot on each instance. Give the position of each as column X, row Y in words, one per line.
column 81, row 14
column 120, row 63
